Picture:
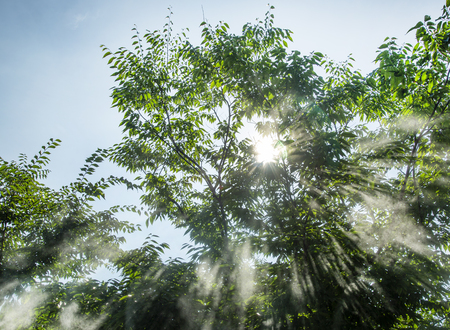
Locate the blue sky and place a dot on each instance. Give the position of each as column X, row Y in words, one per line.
column 54, row 82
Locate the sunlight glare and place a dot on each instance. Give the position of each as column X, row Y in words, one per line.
column 266, row 151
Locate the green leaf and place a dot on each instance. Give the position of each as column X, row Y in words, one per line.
column 430, row 86
column 418, row 25
column 424, row 77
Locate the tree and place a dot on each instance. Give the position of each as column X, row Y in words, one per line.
column 346, row 228
column 320, row 211
column 47, row 235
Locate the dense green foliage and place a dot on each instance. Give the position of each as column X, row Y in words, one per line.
column 48, row 235
column 346, row 228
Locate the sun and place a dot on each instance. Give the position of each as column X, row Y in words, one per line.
column 265, row 149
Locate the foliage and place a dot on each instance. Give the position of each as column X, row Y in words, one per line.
column 46, row 234
column 132, row 302
column 346, row 244
column 346, row 229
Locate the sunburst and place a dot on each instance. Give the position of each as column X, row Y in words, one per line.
column 266, row 150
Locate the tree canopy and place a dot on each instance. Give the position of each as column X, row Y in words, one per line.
column 47, row 235
column 344, row 226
